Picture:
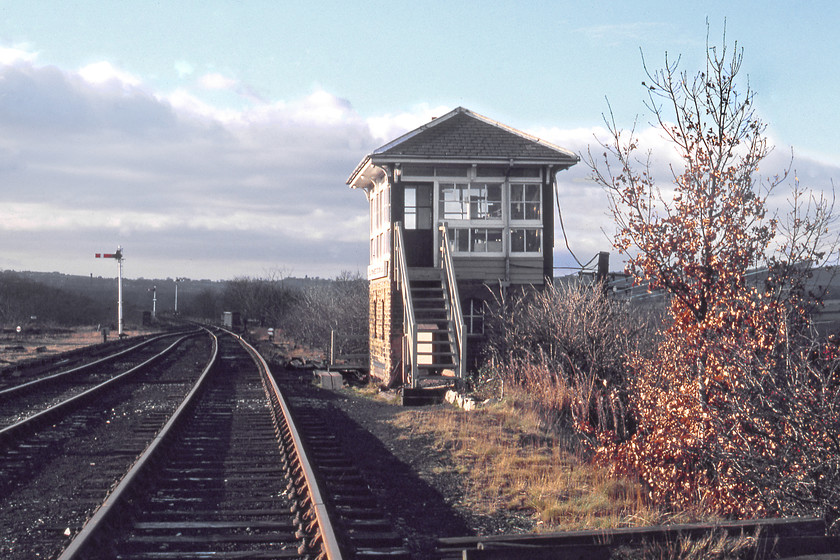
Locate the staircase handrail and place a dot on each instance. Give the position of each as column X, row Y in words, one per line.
column 403, row 284
column 456, row 315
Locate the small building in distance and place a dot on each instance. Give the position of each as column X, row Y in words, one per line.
column 459, row 208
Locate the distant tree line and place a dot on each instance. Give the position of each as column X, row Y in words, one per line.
column 22, row 299
column 305, row 311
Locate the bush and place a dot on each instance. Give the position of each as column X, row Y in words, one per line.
column 568, row 345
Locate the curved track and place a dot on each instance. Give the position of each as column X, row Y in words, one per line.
column 215, row 482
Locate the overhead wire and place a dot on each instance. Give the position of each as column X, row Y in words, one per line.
column 563, row 226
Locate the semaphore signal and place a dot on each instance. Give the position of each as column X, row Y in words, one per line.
column 119, row 258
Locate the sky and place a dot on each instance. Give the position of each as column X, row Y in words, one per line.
column 213, row 139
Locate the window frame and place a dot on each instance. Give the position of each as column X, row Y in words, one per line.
column 523, row 202
column 524, row 252
column 474, row 310
column 473, row 202
column 473, row 234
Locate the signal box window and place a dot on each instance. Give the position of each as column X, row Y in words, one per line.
column 418, row 207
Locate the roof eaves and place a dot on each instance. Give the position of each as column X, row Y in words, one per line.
column 567, row 158
column 355, row 174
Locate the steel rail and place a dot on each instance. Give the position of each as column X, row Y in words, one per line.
column 31, row 422
column 784, row 536
column 11, row 391
column 85, row 537
column 329, row 540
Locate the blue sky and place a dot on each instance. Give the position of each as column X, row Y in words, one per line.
column 212, row 139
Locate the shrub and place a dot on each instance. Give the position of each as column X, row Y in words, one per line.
column 567, row 344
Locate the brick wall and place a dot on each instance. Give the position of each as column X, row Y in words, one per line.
column 385, row 328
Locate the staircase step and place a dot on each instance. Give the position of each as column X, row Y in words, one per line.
column 424, row 273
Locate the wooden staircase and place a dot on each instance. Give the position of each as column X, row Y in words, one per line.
column 434, row 335
column 437, row 350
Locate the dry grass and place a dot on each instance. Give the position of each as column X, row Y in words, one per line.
column 510, row 463
column 54, row 341
column 717, row 545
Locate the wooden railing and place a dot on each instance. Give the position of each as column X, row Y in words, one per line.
column 455, row 314
column 410, row 323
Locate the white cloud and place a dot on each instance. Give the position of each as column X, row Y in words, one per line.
column 217, row 81
column 104, row 72
column 13, row 55
column 85, row 165
column 388, row 127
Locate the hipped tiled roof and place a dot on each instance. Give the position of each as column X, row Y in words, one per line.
column 462, row 134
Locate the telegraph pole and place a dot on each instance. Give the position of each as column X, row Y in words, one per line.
column 154, row 302
column 119, row 258
column 177, row 280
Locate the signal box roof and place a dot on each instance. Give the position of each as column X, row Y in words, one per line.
column 462, row 136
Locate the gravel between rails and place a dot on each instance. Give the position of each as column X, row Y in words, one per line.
column 61, row 493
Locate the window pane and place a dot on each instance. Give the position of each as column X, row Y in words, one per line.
column 452, row 204
column 418, row 170
column 532, row 192
column 452, row 170
column 424, row 195
column 525, row 172
column 532, row 241
column 410, row 219
column 479, row 241
column 489, row 171
column 463, row 243
column 494, row 240
column 477, row 206
column 517, row 240
column 494, row 201
column 424, row 218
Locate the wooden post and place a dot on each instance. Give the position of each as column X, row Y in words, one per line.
column 603, row 267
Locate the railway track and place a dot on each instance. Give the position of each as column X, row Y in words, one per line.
column 59, row 463
column 35, row 368
column 232, row 475
column 55, row 384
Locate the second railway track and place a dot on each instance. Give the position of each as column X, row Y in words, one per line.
column 58, row 467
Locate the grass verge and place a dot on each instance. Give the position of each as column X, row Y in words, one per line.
column 509, row 462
